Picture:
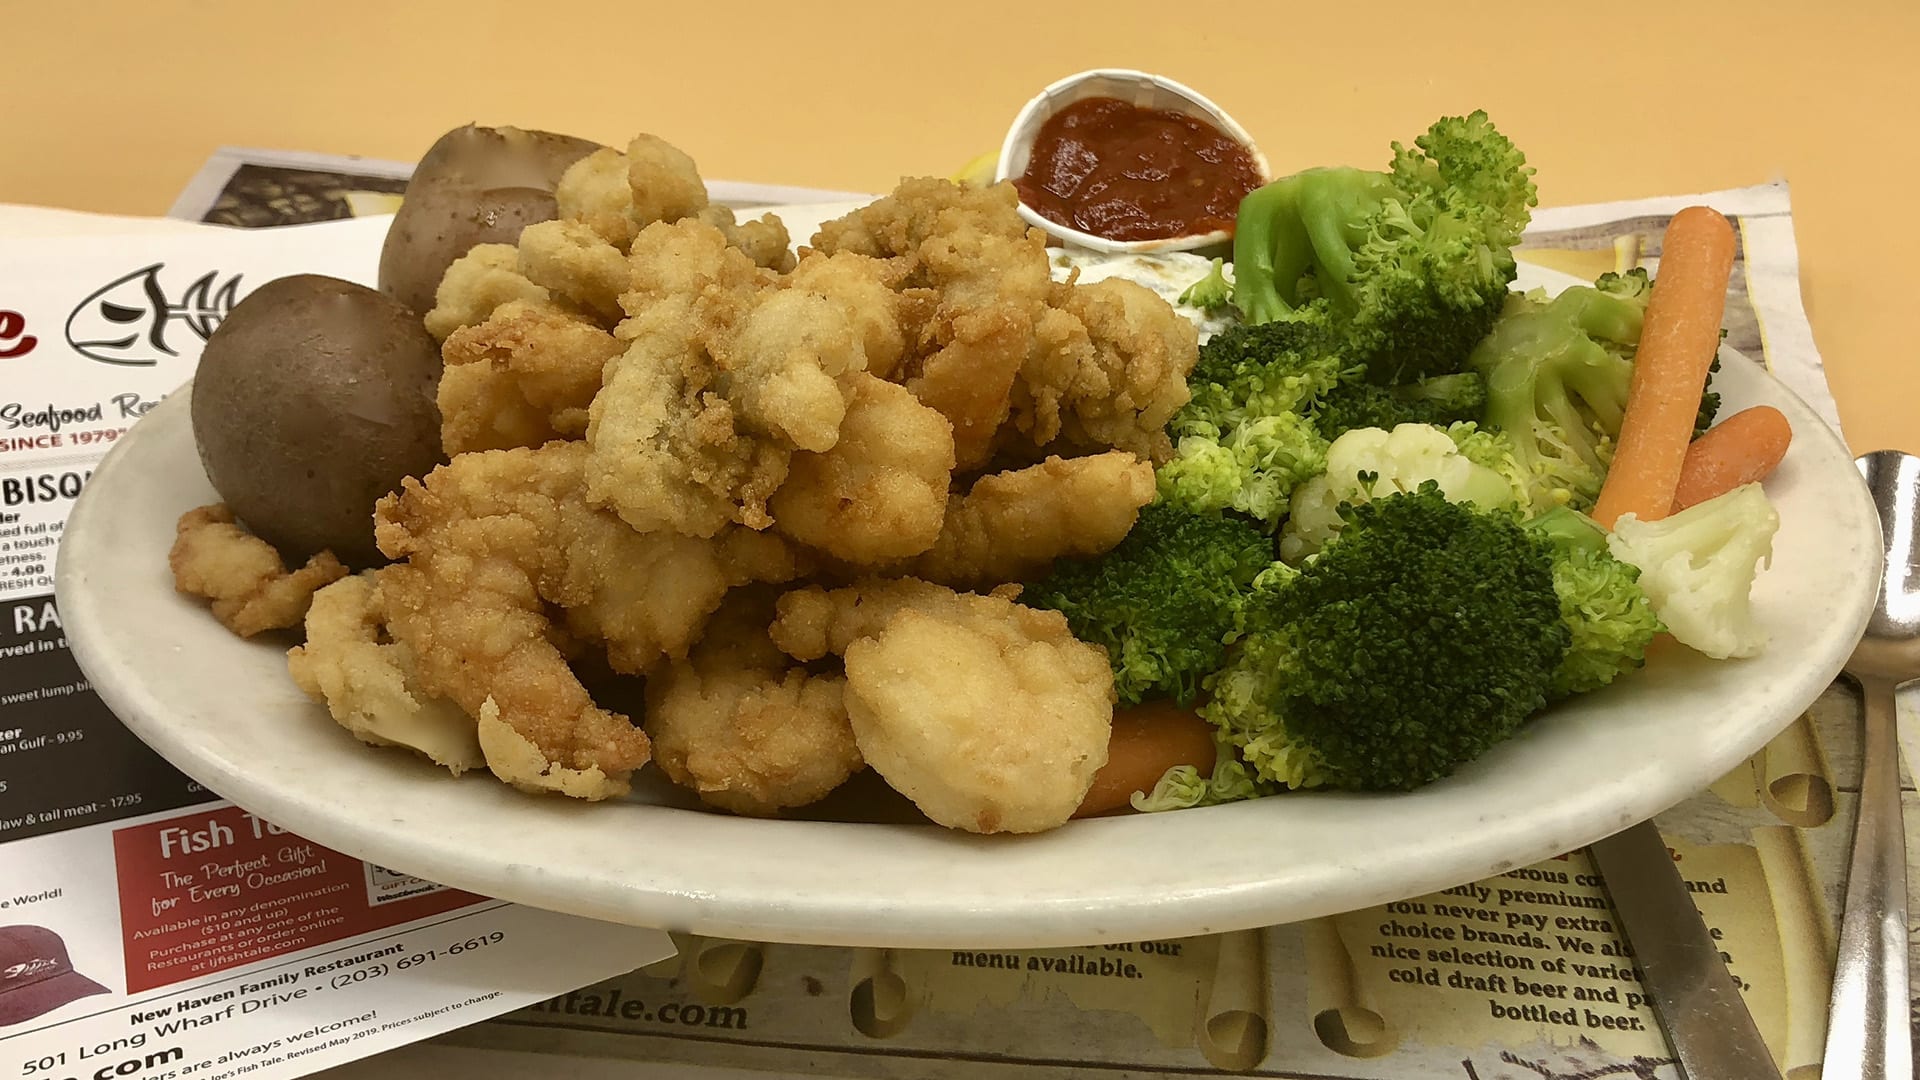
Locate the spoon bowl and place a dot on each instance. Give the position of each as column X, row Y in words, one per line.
column 1891, row 647
column 1867, row 1033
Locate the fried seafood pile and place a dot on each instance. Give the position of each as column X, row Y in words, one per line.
column 796, row 496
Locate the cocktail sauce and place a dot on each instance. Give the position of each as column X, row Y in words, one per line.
column 1123, row 172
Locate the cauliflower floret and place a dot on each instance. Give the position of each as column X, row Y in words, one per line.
column 1698, row 567
column 1398, row 460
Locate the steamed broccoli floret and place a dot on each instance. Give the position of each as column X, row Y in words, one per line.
column 1367, row 463
column 1413, row 263
column 1426, row 633
column 1210, row 292
column 1441, row 400
column 1246, row 371
column 1558, row 372
column 1611, row 619
column 1557, row 375
column 1490, row 449
column 1164, row 601
column 1253, row 468
column 1698, row 567
column 1242, row 442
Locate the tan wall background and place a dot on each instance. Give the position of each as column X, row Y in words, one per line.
column 111, row 106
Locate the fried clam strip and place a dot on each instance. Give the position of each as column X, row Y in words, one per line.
column 1075, row 368
column 880, row 494
column 368, row 683
column 895, row 225
column 523, row 377
column 782, row 355
column 492, row 540
column 668, row 449
column 724, row 377
column 572, row 262
column 1011, row 526
column 476, row 283
column 251, row 588
column 577, row 261
column 990, row 716
column 1109, row 370
column 815, row 622
column 990, row 280
column 744, row 727
column 618, row 194
column 885, row 320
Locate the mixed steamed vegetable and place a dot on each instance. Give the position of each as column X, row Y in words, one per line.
column 1409, row 508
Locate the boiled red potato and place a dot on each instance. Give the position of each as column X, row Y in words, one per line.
column 476, row 185
column 314, row 398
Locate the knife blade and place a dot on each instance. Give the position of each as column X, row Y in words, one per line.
column 1694, row 996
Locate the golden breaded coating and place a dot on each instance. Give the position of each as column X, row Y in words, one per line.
column 815, row 621
column 668, row 449
column 523, row 377
column 1011, row 526
column 517, row 760
column 618, row 194
column 742, row 726
column 864, row 288
column 679, row 262
column 491, row 540
column 1014, row 360
column 725, row 376
column 571, row 261
column 969, row 378
column 487, row 276
column 251, row 589
column 880, row 494
column 990, row 716
column 763, row 239
column 665, row 183
column 781, row 364
column 896, row 224
column 594, row 192
column 990, row 280
column 1122, row 379
column 368, row 684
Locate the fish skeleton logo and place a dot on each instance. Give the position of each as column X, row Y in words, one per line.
column 31, row 967
column 126, row 321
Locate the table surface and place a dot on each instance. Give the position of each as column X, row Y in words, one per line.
column 111, row 106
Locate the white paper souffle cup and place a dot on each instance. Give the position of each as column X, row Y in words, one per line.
column 1138, row 88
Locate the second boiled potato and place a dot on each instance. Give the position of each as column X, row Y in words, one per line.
column 476, row 185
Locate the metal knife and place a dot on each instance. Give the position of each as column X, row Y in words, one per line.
column 1694, row 996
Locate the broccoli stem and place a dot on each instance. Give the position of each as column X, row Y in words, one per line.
column 1270, row 252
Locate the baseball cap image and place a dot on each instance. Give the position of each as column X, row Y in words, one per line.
column 36, row 975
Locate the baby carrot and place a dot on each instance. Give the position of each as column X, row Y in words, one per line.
column 1677, row 344
column 1147, row 740
column 1741, row 449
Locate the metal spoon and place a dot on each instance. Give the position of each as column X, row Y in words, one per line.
column 1867, row 1031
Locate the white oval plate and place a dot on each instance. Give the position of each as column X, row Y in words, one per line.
column 225, row 712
